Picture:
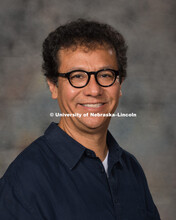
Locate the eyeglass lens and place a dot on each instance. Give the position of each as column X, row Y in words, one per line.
column 80, row 78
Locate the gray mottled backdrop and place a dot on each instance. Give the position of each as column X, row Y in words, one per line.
column 149, row 91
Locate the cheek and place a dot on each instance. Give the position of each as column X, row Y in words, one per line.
column 66, row 93
column 115, row 93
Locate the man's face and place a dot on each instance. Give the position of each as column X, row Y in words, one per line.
column 91, row 99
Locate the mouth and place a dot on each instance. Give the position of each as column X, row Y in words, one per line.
column 92, row 105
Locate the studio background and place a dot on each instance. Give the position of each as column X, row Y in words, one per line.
column 148, row 91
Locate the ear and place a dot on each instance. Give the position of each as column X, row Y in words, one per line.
column 120, row 92
column 53, row 89
column 121, row 88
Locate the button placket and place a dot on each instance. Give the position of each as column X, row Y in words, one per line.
column 102, row 170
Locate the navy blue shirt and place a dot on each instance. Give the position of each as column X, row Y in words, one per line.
column 56, row 178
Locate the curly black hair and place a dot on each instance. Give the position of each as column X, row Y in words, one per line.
column 81, row 33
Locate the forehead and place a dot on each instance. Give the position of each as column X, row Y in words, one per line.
column 83, row 52
column 87, row 47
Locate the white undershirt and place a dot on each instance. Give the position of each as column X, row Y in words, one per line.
column 105, row 163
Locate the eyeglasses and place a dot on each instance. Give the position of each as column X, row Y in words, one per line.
column 103, row 77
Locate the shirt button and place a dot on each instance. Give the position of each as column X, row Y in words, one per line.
column 88, row 153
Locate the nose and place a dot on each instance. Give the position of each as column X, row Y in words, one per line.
column 92, row 88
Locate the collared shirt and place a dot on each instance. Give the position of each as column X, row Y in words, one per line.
column 56, row 178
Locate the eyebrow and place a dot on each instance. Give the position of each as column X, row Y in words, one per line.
column 80, row 68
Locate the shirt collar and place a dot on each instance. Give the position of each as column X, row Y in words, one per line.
column 115, row 152
column 71, row 151
column 64, row 146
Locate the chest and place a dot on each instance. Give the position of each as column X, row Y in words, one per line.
column 87, row 193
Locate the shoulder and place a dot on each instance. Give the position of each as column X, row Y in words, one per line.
column 135, row 171
column 129, row 157
column 139, row 180
column 132, row 164
column 20, row 183
column 28, row 163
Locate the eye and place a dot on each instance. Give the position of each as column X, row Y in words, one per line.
column 76, row 76
column 106, row 75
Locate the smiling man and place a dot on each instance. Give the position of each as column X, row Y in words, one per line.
column 76, row 170
column 90, row 85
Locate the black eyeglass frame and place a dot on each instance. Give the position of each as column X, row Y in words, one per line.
column 67, row 75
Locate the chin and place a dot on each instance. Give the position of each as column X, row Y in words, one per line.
column 95, row 123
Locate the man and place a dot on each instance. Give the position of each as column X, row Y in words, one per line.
column 76, row 170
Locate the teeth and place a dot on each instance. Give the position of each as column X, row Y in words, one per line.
column 93, row 105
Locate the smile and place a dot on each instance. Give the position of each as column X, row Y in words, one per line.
column 96, row 105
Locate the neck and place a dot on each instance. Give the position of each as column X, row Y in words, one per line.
column 94, row 140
